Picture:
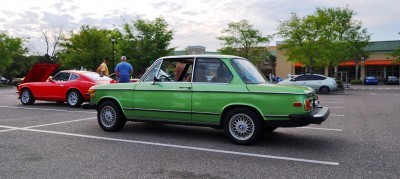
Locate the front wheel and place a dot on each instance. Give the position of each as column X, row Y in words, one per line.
column 27, row 97
column 243, row 126
column 110, row 117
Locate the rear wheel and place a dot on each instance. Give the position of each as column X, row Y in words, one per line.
column 243, row 126
column 74, row 98
column 27, row 97
column 110, row 117
column 324, row 90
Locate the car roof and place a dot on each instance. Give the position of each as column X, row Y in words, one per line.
column 202, row 55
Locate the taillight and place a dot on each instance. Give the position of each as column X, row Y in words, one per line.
column 297, row 104
column 308, row 104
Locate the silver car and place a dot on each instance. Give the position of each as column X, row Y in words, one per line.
column 319, row 83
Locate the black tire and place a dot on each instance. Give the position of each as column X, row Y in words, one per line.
column 110, row 117
column 74, row 98
column 27, row 97
column 243, row 126
column 324, row 90
column 269, row 129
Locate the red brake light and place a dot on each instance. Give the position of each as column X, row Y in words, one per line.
column 297, row 104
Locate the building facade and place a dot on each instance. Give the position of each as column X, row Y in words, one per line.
column 377, row 63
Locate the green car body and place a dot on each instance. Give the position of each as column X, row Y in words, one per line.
column 243, row 103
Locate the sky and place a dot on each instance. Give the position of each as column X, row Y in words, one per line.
column 194, row 22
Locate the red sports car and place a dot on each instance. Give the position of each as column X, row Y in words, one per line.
column 67, row 85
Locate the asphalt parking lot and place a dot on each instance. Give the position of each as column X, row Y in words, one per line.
column 360, row 139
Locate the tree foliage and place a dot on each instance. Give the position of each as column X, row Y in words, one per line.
column 396, row 54
column 10, row 48
column 86, row 49
column 327, row 37
column 144, row 41
column 243, row 40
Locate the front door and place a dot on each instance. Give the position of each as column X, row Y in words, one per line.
column 168, row 96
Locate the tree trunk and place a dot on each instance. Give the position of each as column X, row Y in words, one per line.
column 335, row 73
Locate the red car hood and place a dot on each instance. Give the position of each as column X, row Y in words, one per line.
column 40, row 72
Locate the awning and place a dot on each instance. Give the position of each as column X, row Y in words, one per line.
column 379, row 62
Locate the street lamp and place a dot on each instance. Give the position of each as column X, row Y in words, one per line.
column 113, row 51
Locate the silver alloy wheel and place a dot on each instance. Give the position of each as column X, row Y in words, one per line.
column 72, row 98
column 241, row 126
column 108, row 116
column 25, row 96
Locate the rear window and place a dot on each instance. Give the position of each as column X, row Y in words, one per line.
column 97, row 77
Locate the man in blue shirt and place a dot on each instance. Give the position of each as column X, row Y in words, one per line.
column 123, row 70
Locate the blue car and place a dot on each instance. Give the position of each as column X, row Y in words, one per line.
column 370, row 80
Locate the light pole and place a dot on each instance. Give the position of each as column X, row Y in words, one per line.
column 113, row 51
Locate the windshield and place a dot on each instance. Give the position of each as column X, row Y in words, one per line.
column 248, row 72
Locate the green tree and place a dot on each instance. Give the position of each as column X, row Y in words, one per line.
column 86, row 49
column 20, row 66
column 345, row 37
column 325, row 38
column 10, row 48
column 242, row 39
column 396, row 54
column 144, row 41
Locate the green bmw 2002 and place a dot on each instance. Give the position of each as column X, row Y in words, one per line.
column 225, row 92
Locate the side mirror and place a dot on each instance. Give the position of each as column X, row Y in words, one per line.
column 50, row 79
column 293, row 79
column 155, row 79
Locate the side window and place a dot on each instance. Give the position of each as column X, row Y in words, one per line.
column 315, row 77
column 301, row 78
column 62, row 76
column 211, row 70
column 152, row 73
column 73, row 77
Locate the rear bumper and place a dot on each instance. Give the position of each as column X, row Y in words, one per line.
column 296, row 120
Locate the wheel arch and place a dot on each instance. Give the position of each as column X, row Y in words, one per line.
column 104, row 99
column 230, row 107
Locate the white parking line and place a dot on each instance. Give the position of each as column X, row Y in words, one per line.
column 327, row 102
column 335, row 107
column 58, row 110
column 13, row 129
column 326, row 129
column 337, row 115
column 180, row 146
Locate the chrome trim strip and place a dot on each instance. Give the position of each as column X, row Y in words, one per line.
column 174, row 111
column 277, row 116
column 156, row 110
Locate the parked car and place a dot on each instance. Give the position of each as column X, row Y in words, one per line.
column 224, row 92
column 3, row 80
column 69, row 86
column 391, row 80
column 319, row 83
column 370, row 80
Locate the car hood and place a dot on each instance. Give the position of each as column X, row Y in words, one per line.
column 40, row 72
column 281, row 89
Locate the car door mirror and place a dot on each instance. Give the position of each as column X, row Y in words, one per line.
column 155, row 79
column 50, row 79
column 293, row 79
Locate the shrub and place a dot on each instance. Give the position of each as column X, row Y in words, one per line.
column 340, row 84
column 354, row 82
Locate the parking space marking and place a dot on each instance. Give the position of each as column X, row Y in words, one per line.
column 58, row 110
column 317, row 128
column 328, row 102
column 180, row 146
column 49, row 124
column 337, row 115
column 335, row 107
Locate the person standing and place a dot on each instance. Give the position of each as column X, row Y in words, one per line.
column 102, row 70
column 123, row 70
